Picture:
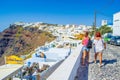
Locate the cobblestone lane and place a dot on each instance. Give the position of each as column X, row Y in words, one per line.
column 110, row 69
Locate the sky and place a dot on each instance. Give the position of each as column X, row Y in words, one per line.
column 57, row 11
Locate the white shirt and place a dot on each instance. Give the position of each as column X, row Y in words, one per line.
column 99, row 45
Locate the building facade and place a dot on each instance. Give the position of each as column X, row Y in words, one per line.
column 104, row 22
column 116, row 24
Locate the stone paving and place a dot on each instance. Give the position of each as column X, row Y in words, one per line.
column 109, row 71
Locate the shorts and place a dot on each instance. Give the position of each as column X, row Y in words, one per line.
column 98, row 51
column 85, row 48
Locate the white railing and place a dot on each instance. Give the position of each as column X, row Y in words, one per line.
column 7, row 71
column 68, row 69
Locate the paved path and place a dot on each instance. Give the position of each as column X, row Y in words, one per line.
column 110, row 70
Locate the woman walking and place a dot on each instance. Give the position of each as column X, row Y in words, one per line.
column 99, row 46
column 85, row 50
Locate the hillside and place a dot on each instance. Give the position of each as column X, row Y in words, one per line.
column 18, row 40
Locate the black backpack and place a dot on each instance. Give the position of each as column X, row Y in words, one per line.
column 89, row 45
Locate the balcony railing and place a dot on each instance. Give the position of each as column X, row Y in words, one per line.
column 68, row 69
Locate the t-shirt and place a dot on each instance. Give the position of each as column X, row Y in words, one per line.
column 85, row 41
column 99, row 45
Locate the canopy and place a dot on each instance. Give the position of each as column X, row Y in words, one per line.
column 13, row 60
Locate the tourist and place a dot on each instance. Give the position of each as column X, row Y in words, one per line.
column 85, row 49
column 99, row 46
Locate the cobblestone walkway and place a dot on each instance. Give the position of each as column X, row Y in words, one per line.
column 110, row 69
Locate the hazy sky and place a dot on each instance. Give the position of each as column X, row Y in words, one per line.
column 56, row 11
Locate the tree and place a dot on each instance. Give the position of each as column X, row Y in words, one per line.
column 105, row 29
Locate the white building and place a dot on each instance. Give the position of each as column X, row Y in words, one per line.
column 67, row 26
column 104, row 22
column 19, row 23
column 116, row 23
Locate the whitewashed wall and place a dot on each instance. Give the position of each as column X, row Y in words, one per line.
column 68, row 69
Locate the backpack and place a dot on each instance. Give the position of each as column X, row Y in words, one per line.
column 89, row 45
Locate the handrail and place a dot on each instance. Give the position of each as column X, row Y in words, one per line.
column 68, row 69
